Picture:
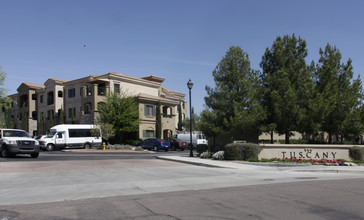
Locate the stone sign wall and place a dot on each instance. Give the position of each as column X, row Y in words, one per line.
column 306, row 152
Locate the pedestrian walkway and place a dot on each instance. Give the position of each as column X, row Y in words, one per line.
column 261, row 165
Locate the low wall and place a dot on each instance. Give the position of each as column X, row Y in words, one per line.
column 305, row 151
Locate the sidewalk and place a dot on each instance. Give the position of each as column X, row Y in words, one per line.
column 261, row 165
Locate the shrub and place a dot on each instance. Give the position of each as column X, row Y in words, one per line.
column 205, row 155
column 201, row 148
column 121, row 147
column 356, row 153
column 139, row 148
column 242, row 151
column 218, row 155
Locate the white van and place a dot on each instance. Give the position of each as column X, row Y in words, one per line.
column 70, row 136
column 197, row 138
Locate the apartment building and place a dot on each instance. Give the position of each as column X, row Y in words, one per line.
column 79, row 100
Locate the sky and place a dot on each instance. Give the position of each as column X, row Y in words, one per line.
column 176, row 40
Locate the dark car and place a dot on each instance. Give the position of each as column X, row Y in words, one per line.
column 177, row 144
column 155, row 144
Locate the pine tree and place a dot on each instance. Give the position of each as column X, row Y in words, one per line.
column 235, row 98
column 286, row 84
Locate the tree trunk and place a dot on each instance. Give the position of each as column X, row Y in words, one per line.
column 287, row 137
column 271, row 137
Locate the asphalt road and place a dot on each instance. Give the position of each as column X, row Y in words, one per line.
column 60, row 155
column 61, row 185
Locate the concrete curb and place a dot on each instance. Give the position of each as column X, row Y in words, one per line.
column 359, row 170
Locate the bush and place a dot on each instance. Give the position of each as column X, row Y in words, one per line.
column 242, row 151
column 218, row 155
column 139, row 148
column 356, row 153
column 201, row 148
column 205, row 155
column 121, row 147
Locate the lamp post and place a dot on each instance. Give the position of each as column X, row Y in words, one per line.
column 189, row 85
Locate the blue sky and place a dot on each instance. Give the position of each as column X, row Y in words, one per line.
column 176, row 40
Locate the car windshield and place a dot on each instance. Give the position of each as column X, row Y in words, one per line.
column 16, row 133
column 50, row 135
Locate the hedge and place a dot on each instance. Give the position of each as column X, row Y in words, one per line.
column 242, row 151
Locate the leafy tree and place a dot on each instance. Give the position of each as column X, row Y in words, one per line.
column 122, row 112
column 235, row 99
column 208, row 124
column 158, row 124
column 340, row 96
column 287, row 84
column 5, row 107
column 195, row 121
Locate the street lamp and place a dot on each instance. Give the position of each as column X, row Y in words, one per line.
column 189, row 85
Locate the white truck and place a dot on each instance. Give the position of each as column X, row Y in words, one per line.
column 16, row 141
column 71, row 136
column 197, row 138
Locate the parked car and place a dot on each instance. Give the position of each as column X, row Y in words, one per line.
column 155, row 144
column 177, row 144
column 16, row 141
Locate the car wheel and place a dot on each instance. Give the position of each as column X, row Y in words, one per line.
column 156, row 148
column 173, row 148
column 166, row 149
column 5, row 153
column 182, row 149
column 87, row 146
column 50, row 147
column 34, row 155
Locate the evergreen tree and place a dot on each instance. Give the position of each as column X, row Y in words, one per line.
column 235, row 99
column 287, row 84
column 340, row 96
column 51, row 119
column 24, row 118
column 158, row 124
column 179, row 126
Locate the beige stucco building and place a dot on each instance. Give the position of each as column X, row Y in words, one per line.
column 79, row 100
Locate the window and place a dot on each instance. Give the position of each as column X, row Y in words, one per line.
column 71, row 93
column 101, row 89
column 41, row 99
column 79, row 132
column 60, row 94
column 81, row 91
column 59, row 135
column 34, row 96
column 117, row 88
column 50, row 98
column 148, row 133
column 149, row 110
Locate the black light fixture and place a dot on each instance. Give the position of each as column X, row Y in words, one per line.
column 190, row 85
